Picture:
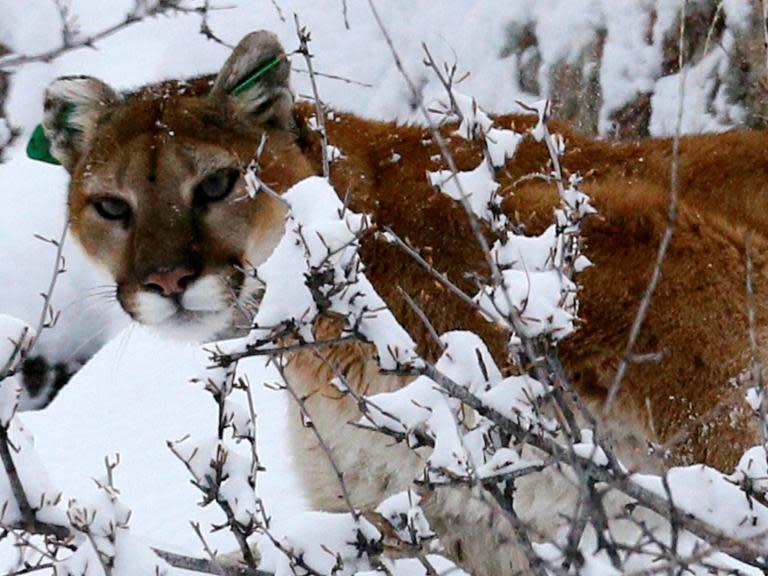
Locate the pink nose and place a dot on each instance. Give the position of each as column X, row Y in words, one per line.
column 171, row 282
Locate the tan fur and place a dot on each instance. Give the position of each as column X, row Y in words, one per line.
column 152, row 147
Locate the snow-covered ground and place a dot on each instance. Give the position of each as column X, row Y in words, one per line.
column 131, row 398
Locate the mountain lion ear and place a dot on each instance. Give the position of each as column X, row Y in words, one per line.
column 256, row 77
column 72, row 107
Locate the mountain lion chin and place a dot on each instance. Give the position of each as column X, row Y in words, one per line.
column 196, row 326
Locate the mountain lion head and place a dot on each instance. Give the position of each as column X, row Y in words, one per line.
column 158, row 195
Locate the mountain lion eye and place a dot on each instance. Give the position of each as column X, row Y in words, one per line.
column 216, row 186
column 112, row 208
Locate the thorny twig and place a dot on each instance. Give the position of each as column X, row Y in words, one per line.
column 210, row 488
column 63, row 535
column 211, row 554
column 422, row 316
column 613, row 477
column 28, row 515
column 513, row 318
column 225, row 359
column 333, row 77
column 140, row 11
column 645, row 303
column 29, row 521
column 765, row 34
column 277, row 362
column 279, row 11
column 442, row 145
column 32, row 569
column 304, row 39
column 537, row 357
column 447, row 81
column 47, row 316
column 364, row 404
column 344, row 10
column 205, row 28
column 204, row 565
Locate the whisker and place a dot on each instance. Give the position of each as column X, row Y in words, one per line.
column 104, row 328
column 93, row 292
column 89, row 302
column 99, row 290
column 122, row 346
column 237, row 303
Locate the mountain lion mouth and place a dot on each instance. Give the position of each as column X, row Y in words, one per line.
column 196, row 325
column 207, row 309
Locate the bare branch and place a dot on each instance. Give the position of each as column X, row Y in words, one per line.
column 614, row 477
column 139, row 12
column 645, row 303
column 277, row 362
column 47, row 316
column 304, row 38
column 333, row 77
column 205, row 566
column 211, row 554
column 221, row 359
column 29, row 521
column 422, row 316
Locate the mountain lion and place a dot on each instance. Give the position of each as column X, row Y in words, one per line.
column 158, row 198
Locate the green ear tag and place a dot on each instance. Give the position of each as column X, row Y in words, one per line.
column 39, row 147
column 250, row 81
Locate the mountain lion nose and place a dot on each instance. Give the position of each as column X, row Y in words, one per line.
column 170, row 282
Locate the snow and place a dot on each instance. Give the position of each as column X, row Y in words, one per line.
column 316, row 259
column 700, row 80
column 423, row 406
column 135, row 394
column 505, row 461
column 130, row 399
column 630, row 64
column 478, row 187
column 711, row 496
column 10, row 390
column 316, row 537
column 502, row 145
column 402, row 511
column 16, row 337
column 589, row 450
column 38, row 486
column 467, row 362
column 737, row 13
column 516, row 398
column 412, row 404
column 752, row 469
column 103, row 535
column 537, row 296
column 631, row 53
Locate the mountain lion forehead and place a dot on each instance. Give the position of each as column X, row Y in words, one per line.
column 177, row 157
column 199, row 116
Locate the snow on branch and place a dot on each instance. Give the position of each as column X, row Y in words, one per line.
column 315, row 269
column 71, row 39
